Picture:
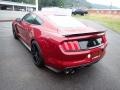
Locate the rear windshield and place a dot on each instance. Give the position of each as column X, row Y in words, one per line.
column 65, row 21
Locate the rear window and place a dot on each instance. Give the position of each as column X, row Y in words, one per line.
column 65, row 21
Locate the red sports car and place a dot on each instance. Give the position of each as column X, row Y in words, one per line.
column 59, row 42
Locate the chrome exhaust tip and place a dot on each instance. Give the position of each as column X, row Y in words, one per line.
column 69, row 71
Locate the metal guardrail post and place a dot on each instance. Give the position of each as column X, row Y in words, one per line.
column 36, row 5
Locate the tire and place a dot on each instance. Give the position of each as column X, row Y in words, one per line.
column 14, row 33
column 89, row 65
column 73, row 13
column 36, row 53
column 82, row 14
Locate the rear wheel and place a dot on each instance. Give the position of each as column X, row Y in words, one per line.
column 74, row 13
column 36, row 53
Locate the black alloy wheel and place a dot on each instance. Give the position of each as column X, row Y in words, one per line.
column 37, row 58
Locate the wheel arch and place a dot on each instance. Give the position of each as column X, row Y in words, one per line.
column 37, row 44
column 38, row 47
column 14, row 27
column 31, row 42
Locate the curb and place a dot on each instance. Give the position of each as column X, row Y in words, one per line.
column 6, row 20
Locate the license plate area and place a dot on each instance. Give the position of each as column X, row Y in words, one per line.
column 89, row 43
column 95, row 54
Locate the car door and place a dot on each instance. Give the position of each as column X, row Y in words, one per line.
column 23, row 27
column 28, row 24
column 35, row 22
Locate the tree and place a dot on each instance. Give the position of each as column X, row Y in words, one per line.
column 76, row 3
column 47, row 3
column 58, row 3
column 42, row 3
column 24, row 1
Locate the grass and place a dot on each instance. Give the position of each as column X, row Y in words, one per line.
column 110, row 21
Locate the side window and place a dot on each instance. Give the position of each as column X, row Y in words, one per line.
column 33, row 19
column 38, row 20
column 25, row 17
column 29, row 19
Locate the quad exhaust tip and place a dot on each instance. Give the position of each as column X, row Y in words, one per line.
column 70, row 71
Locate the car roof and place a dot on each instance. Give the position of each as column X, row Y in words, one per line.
column 65, row 12
column 57, row 19
column 69, row 21
column 45, row 15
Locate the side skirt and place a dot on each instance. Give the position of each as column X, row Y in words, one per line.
column 53, row 69
column 25, row 45
column 49, row 67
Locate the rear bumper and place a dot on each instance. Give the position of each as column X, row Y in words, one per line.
column 78, row 60
column 76, row 64
column 82, row 63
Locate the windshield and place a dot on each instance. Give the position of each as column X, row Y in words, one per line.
column 65, row 21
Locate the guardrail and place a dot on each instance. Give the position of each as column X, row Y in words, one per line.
column 106, row 11
column 10, row 15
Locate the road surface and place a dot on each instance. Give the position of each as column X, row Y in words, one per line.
column 17, row 71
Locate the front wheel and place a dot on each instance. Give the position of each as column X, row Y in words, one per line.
column 36, row 53
column 14, row 33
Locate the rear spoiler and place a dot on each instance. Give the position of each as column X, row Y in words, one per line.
column 89, row 33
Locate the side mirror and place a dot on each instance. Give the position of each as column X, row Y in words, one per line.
column 18, row 20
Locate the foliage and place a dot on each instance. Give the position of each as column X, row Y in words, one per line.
column 58, row 3
column 23, row 1
column 46, row 3
column 110, row 21
column 77, row 4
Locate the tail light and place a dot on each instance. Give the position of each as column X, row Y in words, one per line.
column 75, row 46
column 70, row 46
column 104, row 40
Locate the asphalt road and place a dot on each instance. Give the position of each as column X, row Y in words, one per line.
column 17, row 71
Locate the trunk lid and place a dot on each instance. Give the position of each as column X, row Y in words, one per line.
column 69, row 32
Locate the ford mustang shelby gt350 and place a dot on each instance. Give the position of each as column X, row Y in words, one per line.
column 59, row 42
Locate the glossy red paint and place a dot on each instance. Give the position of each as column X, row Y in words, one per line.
column 60, row 46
